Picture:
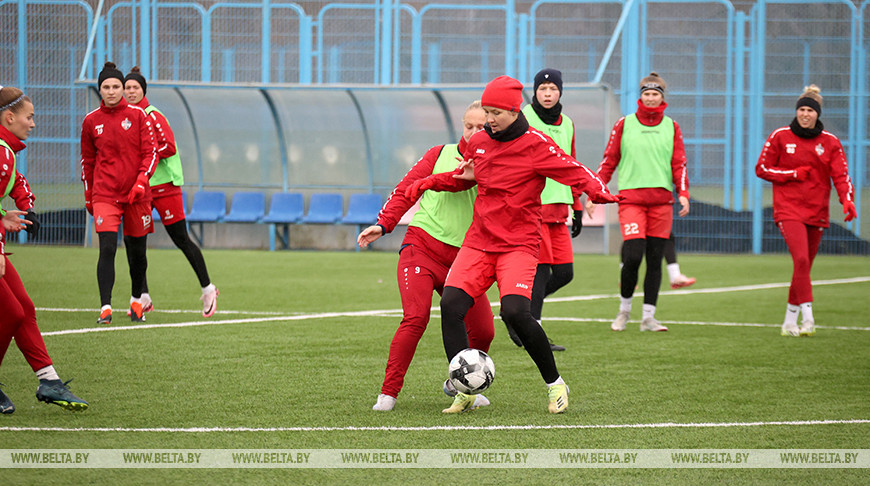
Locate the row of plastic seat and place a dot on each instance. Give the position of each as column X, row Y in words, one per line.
column 285, row 208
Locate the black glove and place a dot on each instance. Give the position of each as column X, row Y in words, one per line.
column 33, row 227
column 576, row 226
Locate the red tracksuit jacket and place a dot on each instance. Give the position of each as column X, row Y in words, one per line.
column 806, row 201
column 612, row 156
column 510, row 177
column 117, row 144
column 20, row 192
column 163, row 135
column 397, row 204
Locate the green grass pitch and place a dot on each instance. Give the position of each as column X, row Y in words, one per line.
column 292, row 346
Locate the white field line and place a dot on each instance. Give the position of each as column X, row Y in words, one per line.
column 664, row 425
column 718, row 290
column 703, row 323
column 215, row 322
column 394, row 312
column 173, row 311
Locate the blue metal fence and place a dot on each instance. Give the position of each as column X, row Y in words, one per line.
column 733, row 73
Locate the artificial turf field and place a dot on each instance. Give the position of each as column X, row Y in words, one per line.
column 295, row 355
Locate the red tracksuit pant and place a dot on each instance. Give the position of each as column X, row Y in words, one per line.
column 423, row 266
column 18, row 320
column 803, row 243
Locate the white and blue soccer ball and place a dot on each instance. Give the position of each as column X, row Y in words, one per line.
column 471, row 371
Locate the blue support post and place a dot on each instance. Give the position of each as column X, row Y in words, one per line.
column 386, row 41
column 145, row 41
column 756, row 104
column 206, row 47
column 510, row 38
column 737, row 153
column 21, row 74
column 861, row 53
column 416, row 48
column 631, row 53
column 306, row 31
column 21, row 65
column 265, row 43
column 99, row 50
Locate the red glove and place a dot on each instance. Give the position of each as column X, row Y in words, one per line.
column 138, row 188
column 850, row 211
column 604, row 197
column 802, row 172
column 415, row 190
column 88, row 204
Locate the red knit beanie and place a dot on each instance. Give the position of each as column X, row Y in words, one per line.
column 503, row 92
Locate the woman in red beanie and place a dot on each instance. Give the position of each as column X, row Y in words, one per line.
column 801, row 160
column 510, row 162
column 429, row 248
column 17, row 312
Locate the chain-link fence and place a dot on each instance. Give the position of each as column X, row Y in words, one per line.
column 734, row 70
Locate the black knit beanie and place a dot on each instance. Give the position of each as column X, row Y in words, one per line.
column 549, row 75
column 110, row 71
column 136, row 75
column 807, row 101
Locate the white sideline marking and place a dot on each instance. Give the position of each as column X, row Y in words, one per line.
column 276, row 317
column 172, row 311
column 215, row 322
column 738, row 288
column 664, row 425
column 704, row 323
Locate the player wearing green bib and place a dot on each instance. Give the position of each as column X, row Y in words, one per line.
column 431, row 243
column 556, row 260
column 17, row 312
column 647, row 146
column 166, row 193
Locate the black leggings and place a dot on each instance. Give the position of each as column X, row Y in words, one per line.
column 671, row 249
column 136, row 259
column 549, row 279
column 633, row 252
column 178, row 233
column 514, row 310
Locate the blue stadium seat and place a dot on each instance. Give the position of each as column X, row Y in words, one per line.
column 363, row 209
column 208, row 207
column 247, row 207
column 285, row 209
column 324, row 209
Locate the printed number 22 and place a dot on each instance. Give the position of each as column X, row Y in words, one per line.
column 631, row 229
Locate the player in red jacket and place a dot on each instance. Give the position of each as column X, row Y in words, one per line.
column 429, row 248
column 509, row 162
column 119, row 154
column 801, row 160
column 17, row 312
column 166, row 193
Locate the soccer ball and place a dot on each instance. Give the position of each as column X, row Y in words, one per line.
column 471, row 371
